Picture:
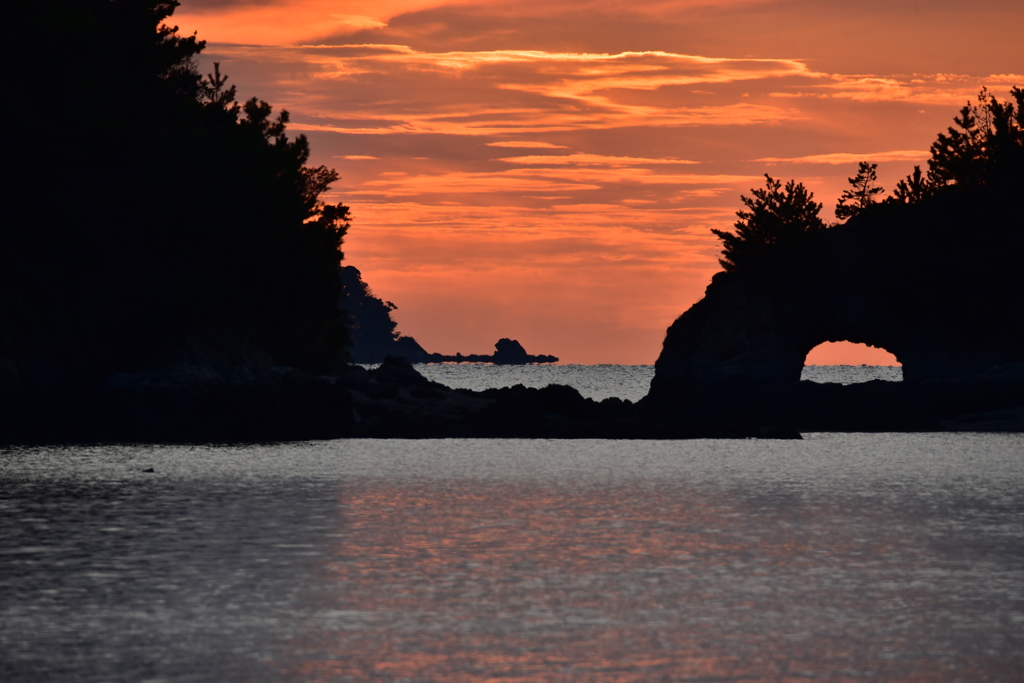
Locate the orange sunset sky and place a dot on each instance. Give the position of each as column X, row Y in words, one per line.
column 549, row 170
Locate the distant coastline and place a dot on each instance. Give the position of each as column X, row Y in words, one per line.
column 375, row 334
column 507, row 352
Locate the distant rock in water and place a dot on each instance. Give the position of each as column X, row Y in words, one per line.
column 507, row 352
column 510, row 352
column 375, row 335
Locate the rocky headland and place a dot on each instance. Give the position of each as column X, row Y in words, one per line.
column 186, row 287
column 915, row 280
column 946, row 306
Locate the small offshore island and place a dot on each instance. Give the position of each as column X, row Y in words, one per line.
column 185, row 286
column 374, row 334
column 506, row 352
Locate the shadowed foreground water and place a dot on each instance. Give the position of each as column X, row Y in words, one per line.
column 840, row 558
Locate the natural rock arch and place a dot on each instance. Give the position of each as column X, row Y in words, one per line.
column 746, row 334
column 893, row 278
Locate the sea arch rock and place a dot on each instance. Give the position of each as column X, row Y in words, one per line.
column 916, row 281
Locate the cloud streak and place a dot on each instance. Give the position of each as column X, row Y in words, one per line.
column 526, row 144
column 845, row 158
column 579, row 159
column 520, row 92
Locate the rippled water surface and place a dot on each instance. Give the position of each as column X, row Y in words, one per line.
column 593, row 381
column 852, row 374
column 842, row 557
column 623, row 381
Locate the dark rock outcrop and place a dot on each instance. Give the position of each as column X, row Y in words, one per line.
column 204, row 403
column 506, row 352
column 394, row 401
column 511, row 352
column 201, row 394
column 374, row 333
column 918, row 281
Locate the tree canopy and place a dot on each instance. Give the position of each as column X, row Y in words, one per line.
column 372, row 326
column 980, row 159
column 776, row 216
column 911, row 189
column 151, row 209
column 986, row 147
column 862, row 193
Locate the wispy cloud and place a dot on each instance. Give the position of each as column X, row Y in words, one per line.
column 929, row 89
column 842, row 158
column 461, row 183
column 591, row 160
column 526, row 144
column 542, row 180
column 514, row 91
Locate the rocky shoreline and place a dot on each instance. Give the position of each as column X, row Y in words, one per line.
column 395, row 401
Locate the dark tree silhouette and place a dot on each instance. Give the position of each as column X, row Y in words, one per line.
column 374, row 333
column 984, row 149
column 370, row 317
column 863, row 191
column 152, row 212
column 777, row 216
column 911, row 189
column 985, row 146
column 955, row 155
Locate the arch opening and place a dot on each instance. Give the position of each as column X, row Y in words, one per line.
column 846, row 362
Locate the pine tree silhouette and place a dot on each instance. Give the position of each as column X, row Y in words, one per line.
column 862, row 195
column 776, row 216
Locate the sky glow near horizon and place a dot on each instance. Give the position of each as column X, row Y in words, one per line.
column 550, row 171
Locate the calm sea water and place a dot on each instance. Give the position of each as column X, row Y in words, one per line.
column 842, row 557
column 603, row 381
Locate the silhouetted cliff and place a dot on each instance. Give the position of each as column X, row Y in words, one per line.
column 374, row 333
column 933, row 276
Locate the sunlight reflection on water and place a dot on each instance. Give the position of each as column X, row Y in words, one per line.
column 841, row 557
